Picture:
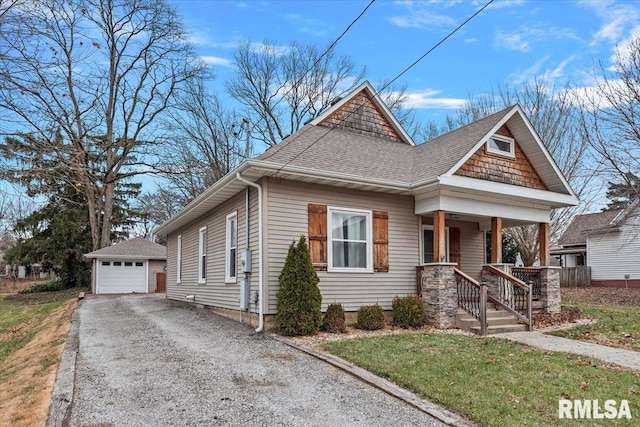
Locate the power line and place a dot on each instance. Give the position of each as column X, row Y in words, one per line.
column 325, row 53
column 413, row 64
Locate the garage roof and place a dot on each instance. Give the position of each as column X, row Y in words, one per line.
column 136, row 248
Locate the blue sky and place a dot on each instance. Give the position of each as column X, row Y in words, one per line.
column 512, row 41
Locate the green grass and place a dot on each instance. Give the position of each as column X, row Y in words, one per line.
column 618, row 326
column 491, row 381
column 20, row 317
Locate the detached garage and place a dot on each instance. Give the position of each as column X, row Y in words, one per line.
column 136, row 265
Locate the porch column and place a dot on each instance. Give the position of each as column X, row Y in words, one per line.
column 496, row 240
column 439, row 242
column 543, row 244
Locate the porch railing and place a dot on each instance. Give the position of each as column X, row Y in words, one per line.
column 472, row 298
column 513, row 295
column 529, row 275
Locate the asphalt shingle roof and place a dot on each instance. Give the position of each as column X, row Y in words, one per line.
column 137, row 247
column 581, row 225
column 339, row 151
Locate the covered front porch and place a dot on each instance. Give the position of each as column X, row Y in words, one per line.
column 460, row 269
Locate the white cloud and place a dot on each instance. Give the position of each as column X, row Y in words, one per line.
column 521, row 38
column 530, row 73
column 216, row 60
column 312, row 26
column 471, row 40
column 500, row 4
column 423, row 15
column 428, row 99
column 558, row 72
column 511, row 42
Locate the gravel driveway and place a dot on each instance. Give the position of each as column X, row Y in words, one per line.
column 148, row 361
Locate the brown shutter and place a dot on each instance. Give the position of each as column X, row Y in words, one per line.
column 454, row 245
column 380, row 241
column 318, row 236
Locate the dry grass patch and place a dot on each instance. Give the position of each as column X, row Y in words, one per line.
column 32, row 337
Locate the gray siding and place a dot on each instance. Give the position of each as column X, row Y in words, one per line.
column 215, row 292
column 287, row 218
column 612, row 255
column 472, row 256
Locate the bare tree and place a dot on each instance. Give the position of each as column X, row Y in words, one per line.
column 207, row 141
column 554, row 115
column 281, row 88
column 84, row 82
column 609, row 117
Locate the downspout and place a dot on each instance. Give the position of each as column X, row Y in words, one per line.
column 260, row 280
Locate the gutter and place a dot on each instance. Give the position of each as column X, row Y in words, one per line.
column 260, row 278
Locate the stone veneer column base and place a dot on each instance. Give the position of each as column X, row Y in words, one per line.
column 439, row 294
column 550, row 283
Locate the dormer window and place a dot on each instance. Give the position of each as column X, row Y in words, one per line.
column 501, row 145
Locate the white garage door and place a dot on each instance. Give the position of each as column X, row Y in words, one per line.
column 121, row 276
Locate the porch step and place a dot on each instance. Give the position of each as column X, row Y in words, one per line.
column 498, row 321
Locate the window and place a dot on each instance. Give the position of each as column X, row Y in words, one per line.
column 106, row 263
column 501, row 145
column 231, row 252
column 427, row 244
column 350, row 246
column 202, row 256
column 128, row 264
column 139, row 264
column 117, row 263
column 179, row 260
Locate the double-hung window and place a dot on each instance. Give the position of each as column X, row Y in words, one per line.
column 179, row 259
column 202, row 255
column 427, row 244
column 350, row 233
column 231, row 252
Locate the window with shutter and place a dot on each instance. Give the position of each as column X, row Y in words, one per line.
column 380, row 241
column 318, row 236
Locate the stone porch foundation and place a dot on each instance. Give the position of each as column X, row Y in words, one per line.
column 439, row 294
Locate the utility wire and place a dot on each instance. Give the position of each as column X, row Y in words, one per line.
column 434, row 47
column 325, row 53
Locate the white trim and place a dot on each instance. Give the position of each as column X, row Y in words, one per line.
column 179, row 259
column 368, row 241
column 227, row 248
column 202, row 254
column 446, row 234
column 512, row 146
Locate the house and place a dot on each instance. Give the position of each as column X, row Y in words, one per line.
column 6, row 243
column 135, row 265
column 383, row 216
column 596, row 239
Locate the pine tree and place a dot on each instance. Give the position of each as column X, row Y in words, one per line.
column 299, row 300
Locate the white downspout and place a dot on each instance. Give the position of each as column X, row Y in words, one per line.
column 260, row 280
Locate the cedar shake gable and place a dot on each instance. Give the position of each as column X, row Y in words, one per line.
column 498, row 168
column 363, row 112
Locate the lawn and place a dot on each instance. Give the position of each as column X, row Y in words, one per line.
column 617, row 311
column 491, row 381
column 33, row 329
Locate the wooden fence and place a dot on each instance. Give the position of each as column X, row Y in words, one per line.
column 571, row 277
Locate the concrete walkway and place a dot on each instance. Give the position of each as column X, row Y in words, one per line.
column 626, row 358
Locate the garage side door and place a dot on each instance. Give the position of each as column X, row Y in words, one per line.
column 121, row 277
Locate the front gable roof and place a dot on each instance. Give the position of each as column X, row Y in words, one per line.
column 363, row 112
column 136, row 248
column 367, row 149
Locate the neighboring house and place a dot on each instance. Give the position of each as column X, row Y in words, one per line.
column 608, row 242
column 375, row 207
column 135, row 265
